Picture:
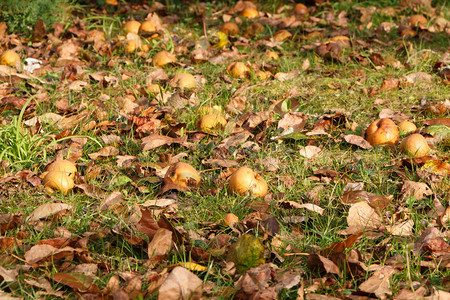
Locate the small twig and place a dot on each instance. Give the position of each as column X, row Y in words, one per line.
column 296, row 253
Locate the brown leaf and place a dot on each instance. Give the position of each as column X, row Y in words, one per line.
column 316, row 261
column 154, row 141
column 378, row 283
column 47, row 210
column 308, row 206
column 294, row 122
column 181, row 284
column 419, row 190
column 362, row 215
column 224, row 163
column 357, row 140
column 8, row 221
column 310, row 152
column 161, row 244
column 390, row 84
column 76, row 281
column 341, row 246
column 443, row 121
column 113, row 199
column 104, row 152
column 402, row 228
column 42, row 252
column 8, row 243
column 8, row 275
column 147, row 223
column 428, row 234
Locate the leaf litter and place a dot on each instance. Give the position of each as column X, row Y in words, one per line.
column 124, row 139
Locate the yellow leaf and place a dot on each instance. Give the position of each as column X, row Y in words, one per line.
column 193, row 266
column 223, row 40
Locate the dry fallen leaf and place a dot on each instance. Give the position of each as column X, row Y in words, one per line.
column 378, row 283
column 161, row 244
column 357, row 140
column 181, row 284
column 363, row 216
column 310, row 151
column 47, row 210
column 419, row 190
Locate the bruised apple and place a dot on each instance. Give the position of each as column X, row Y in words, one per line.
column 246, row 180
column 382, row 132
column 57, row 180
column 415, row 145
column 182, row 174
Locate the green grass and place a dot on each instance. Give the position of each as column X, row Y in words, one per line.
column 323, row 88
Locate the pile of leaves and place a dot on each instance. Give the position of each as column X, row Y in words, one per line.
column 343, row 219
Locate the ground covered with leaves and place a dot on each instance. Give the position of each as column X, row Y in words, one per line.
column 153, row 121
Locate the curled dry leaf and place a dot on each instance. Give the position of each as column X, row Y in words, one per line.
column 47, row 210
column 181, row 284
column 357, row 141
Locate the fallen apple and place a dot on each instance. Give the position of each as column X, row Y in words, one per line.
column 300, row 9
column 154, row 88
column 132, row 26
column 281, row 35
column 417, row 21
column 132, row 46
column 382, row 132
column 9, row 57
column 230, row 28
column 406, row 127
column 262, row 75
column 183, row 81
column 230, row 219
column 57, row 180
column 211, row 123
column 163, row 58
column 271, row 55
column 65, row 166
column 237, row 69
column 207, row 110
column 415, row 145
column 246, row 180
column 182, row 174
column 249, row 13
column 254, row 29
